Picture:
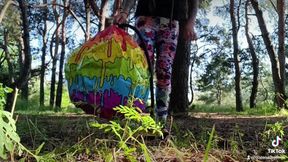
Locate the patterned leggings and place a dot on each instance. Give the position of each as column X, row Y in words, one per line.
column 160, row 35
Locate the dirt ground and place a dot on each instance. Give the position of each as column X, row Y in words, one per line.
column 63, row 131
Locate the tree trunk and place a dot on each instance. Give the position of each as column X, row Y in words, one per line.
column 193, row 59
column 116, row 7
column 191, row 82
column 53, row 82
column 180, row 73
column 54, row 56
column 24, row 89
column 94, row 7
column 25, row 92
column 281, row 45
column 239, row 106
column 255, row 61
column 25, row 71
column 8, row 58
column 275, row 67
column 23, row 84
column 62, row 57
column 103, row 11
column 219, row 94
column 88, row 18
column 43, row 64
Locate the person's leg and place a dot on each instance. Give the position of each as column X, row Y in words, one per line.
column 146, row 27
column 166, row 44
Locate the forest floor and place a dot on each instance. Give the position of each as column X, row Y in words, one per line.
column 236, row 137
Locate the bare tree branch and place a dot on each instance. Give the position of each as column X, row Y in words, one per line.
column 238, row 15
column 275, row 8
column 69, row 9
column 8, row 3
column 76, row 18
column 52, row 37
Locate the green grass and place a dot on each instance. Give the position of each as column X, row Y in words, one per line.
column 32, row 106
column 264, row 109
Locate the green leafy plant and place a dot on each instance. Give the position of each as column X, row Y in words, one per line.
column 286, row 145
column 10, row 140
column 236, row 141
column 234, row 145
column 3, row 92
column 209, row 144
column 130, row 131
column 276, row 129
column 8, row 134
column 271, row 131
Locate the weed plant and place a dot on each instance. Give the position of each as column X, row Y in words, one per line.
column 10, row 140
column 130, row 132
column 209, row 144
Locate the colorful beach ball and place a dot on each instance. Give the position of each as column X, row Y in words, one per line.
column 107, row 71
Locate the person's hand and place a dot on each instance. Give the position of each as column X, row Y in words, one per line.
column 121, row 17
column 189, row 31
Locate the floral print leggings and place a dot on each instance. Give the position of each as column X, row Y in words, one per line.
column 160, row 35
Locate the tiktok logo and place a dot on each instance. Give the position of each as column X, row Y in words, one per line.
column 276, row 142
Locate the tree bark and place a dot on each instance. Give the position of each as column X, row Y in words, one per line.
column 94, row 7
column 191, row 81
column 25, row 75
column 103, row 10
column 25, row 92
column 62, row 57
column 180, row 73
column 54, row 56
column 88, row 18
column 24, row 89
column 255, row 61
column 25, row 71
column 219, row 94
column 281, row 45
column 116, row 7
column 44, row 49
column 275, row 67
column 8, row 58
column 239, row 106
column 53, row 82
